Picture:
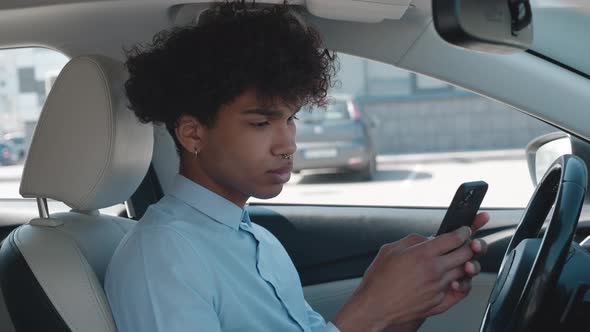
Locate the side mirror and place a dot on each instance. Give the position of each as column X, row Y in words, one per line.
column 544, row 150
column 492, row 26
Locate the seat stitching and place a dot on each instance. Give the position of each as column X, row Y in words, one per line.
column 103, row 169
column 90, row 290
column 88, row 272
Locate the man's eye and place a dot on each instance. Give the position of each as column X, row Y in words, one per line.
column 259, row 124
column 293, row 118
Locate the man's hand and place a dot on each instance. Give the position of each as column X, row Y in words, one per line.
column 460, row 288
column 412, row 279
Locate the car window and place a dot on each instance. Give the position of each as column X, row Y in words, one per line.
column 26, row 76
column 335, row 110
column 413, row 141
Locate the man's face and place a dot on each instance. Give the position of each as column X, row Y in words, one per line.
column 242, row 152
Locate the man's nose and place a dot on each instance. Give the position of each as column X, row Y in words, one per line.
column 285, row 143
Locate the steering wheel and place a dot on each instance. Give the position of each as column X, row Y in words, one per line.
column 531, row 265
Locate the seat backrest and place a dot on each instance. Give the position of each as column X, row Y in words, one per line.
column 90, row 152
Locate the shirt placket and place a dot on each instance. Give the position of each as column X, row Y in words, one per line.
column 270, row 278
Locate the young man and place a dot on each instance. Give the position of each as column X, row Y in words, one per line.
column 228, row 91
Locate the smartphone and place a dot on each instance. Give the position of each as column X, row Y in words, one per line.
column 464, row 206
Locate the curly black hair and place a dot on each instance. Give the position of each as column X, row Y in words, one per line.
column 235, row 46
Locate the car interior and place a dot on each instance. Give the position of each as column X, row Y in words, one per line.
column 90, row 153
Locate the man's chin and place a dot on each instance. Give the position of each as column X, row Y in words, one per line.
column 269, row 192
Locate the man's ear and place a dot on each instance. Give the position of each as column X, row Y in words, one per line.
column 190, row 132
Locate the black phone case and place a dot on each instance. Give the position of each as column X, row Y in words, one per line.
column 464, row 206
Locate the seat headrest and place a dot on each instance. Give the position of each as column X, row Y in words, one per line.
column 88, row 150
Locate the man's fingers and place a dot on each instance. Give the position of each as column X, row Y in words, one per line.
column 479, row 247
column 481, row 219
column 412, row 240
column 449, row 277
column 462, row 286
column 472, row 268
column 406, row 242
column 457, row 257
column 447, row 242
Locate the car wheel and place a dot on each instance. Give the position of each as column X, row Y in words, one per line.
column 368, row 173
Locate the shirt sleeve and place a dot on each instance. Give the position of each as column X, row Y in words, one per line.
column 158, row 283
column 331, row 328
column 317, row 322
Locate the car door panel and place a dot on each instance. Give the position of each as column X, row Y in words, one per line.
column 328, row 298
column 331, row 246
column 331, row 243
column 466, row 316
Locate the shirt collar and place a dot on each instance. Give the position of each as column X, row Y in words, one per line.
column 208, row 202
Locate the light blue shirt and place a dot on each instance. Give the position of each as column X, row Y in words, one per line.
column 195, row 262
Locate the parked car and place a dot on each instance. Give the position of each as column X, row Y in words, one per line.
column 8, row 153
column 18, row 142
column 338, row 137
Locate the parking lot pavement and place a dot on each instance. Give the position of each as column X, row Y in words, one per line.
column 418, row 180
column 10, row 173
column 10, row 181
column 401, row 180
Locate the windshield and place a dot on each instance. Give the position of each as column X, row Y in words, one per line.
column 560, row 31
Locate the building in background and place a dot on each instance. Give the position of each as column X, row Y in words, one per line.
column 417, row 114
column 26, row 75
column 362, row 77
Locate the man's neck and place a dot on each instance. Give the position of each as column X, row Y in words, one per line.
column 196, row 174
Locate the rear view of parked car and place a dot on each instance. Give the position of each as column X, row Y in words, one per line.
column 336, row 138
column 8, row 153
column 18, row 143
